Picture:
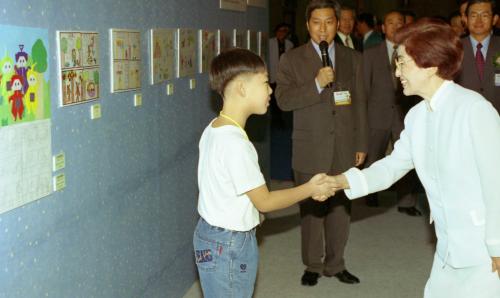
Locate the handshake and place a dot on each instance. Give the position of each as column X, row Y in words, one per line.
column 324, row 186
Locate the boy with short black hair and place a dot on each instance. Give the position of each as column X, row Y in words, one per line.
column 232, row 188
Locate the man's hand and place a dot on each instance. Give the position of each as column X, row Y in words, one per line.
column 360, row 158
column 495, row 265
column 325, row 76
column 323, row 187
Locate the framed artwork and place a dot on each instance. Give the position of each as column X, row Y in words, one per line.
column 208, row 45
column 253, row 41
column 186, row 52
column 79, row 70
column 162, row 55
column 264, row 45
column 235, row 5
column 225, row 40
column 257, row 3
column 239, row 38
column 125, row 60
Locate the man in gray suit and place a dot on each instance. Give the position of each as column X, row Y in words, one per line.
column 481, row 63
column 385, row 107
column 329, row 134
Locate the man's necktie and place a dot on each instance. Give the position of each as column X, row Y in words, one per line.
column 480, row 61
column 347, row 43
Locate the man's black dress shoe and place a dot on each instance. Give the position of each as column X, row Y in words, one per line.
column 411, row 211
column 345, row 277
column 309, row 278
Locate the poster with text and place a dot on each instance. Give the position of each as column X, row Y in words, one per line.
column 125, row 60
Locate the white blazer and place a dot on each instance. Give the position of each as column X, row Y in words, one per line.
column 454, row 145
column 274, row 58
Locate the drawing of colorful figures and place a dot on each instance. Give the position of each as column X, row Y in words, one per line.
column 24, row 75
column 162, row 55
column 126, row 60
column 209, row 48
column 90, row 49
column 187, row 52
column 79, row 62
column 70, row 45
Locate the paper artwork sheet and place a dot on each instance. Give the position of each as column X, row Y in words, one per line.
column 225, row 40
column 24, row 75
column 125, row 60
column 162, row 55
column 240, row 38
column 257, row 3
column 264, row 45
column 208, row 43
column 79, row 70
column 187, row 52
column 253, row 41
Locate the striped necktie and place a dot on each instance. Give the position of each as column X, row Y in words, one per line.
column 480, row 61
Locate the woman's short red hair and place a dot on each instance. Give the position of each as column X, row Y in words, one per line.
column 432, row 43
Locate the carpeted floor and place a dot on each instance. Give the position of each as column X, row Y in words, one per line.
column 390, row 252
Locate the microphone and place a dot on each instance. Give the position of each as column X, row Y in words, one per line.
column 323, row 47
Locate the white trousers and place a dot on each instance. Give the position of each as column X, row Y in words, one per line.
column 470, row 282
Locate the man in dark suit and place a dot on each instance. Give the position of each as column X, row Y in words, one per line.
column 329, row 134
column 386, row 105
column 345, row 34
column 365, row 26
column 481, row 63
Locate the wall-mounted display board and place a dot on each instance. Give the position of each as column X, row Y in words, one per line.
column 25, row 140
column 257, row 3
column 236, row 5
column 162, row 55
column 186, row 52
column 225, row 40
column 208, row 45
column 125, row 60
column 78, row 66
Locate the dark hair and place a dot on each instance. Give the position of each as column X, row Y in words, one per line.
column 452, row 15
column 391, row 12
column 432, row 43
column 366, row 18
column 232, row 63
column 347, row 7
column 492, row 2
column 409, row 13
column 281, row 25
column 318, row 4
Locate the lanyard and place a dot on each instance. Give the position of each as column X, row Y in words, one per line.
column 235, row 123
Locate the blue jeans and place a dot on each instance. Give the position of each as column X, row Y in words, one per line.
column 227, row 261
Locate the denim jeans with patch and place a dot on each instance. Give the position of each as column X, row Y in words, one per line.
column 227, row 261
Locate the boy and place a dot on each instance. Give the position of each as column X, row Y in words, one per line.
column 232, row 188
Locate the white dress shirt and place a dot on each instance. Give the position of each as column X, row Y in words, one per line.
column 454, row 145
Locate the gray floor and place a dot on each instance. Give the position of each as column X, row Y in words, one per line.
column 390, row 252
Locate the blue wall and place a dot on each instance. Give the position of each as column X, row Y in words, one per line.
column 123, row 225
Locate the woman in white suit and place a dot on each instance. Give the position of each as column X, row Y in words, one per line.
column 452, row 139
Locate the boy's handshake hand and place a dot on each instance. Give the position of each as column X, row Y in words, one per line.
column 323, row 187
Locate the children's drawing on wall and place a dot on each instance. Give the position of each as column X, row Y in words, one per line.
column 25, row 125
column 253, row 41
column 208, row 48
column 24, row 75
column 162, row 55
column 239, row 38
column 187, row 52
column 125, row 60
column 79, row 66
column 224, row 41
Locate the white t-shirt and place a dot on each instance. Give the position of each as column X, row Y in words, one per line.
column 228, row 167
